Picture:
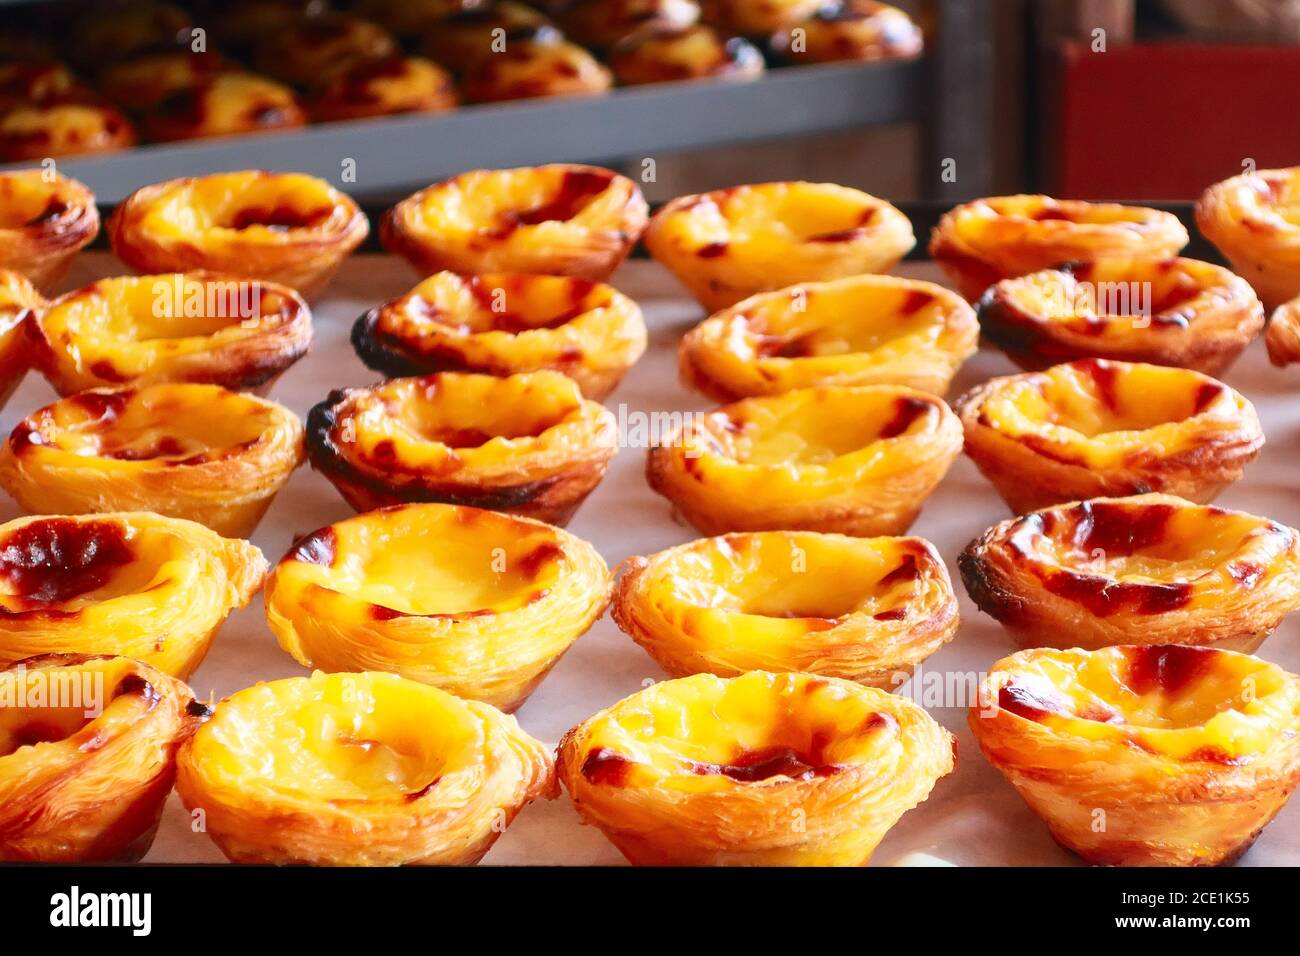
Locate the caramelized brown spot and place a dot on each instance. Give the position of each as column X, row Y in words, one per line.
column 915, row 301
column 907, row 570
column 1170, row 668
column 1028, row 704
column 136, row 685
column 712, row 250
column 1116, row 529
column 751, row 766
column 279, row 218
column 577, row 189
column 196, row 708
column 423, row 791
column 906, row 412
column 52, row 560
column 532, row 563
column 605, row 767
column 106, row 371
column 1103, row 375
column 1206, row 395
column 893, row 614
column 319, row 547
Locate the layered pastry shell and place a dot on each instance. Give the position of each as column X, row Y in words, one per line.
column 862, row 330
column 727, row 245
column 710, row 771
column 288, row 228
column 985, row 241
column 19, row 301
column 854, row 460
column 143, row 330
column 561, row 219
column 1177, row 311
column 87, row 756
column 191, row 451
column 1145, row 756
column 861, row 609
column 1254, row 220
column 1097, row 428
column 502, row 324
column 359, row 770
column 478, row 603
column 528, row 444
column 1283, row 335
column 1150, row 569
column 44, row 222
column 133, row 584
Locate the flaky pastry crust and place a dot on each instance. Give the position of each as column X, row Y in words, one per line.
column 1283, row 335
column 863, row 330
column 1145, row 756
column 198, row 452
column 1178, row 312
column 562, row 219
column 282, row 227
column 478, row 603
column 708, row 771
column 528, row 444
column 862, row 609
column 87, row 756
column 1150, row 569
column 1254, row 220
column 44, row 222
column 359, row 770
column 695, row 52
column 502, row 324
column 850, row 30
column 854, row 460
column 19, row 301
column 143, row 330
column 727, row 245
column 982, row 242
column 130, row 583
column 1097, row 428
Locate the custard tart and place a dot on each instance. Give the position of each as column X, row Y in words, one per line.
column 188, row 451
column 36, row 81
column 982, row 242
column 359, row 770
column 142, row 330
column 468, row 36
column 478, row 603
column 309, row 51
column 222, row 105
column 63, row 128
column 855, row 460
column 1176, row 311
column 757, row 17
column 1097, row 428
column 1254, row 220
column 1150, row 569
column 45, row 220
column 527, row 445
column 1283, row 336
column 528, row 69
column 285, row 227
column 398, row 84
column 757, row 770
column 850, row 30
column 696, row 52
column 143, row 82
column 411, row 17
column 561, row 219
column 863, row 330
column 19, row 300
column 134, row 584
column 502, row 324
column 109, row 32
column 87, row 757
column 600, row 24
column 1145, row 756
column 727, row 245
column 861, row 609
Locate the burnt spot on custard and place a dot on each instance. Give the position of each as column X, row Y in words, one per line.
column 423, row 791
column 754, row 766
column 53, row 560
column 133, row 685
column 1103, row 375
column 1206, row 395
column 578, row 189
column 907, row 411
column 1167, row 668
column 199, row 710
column 106, row 371
column 320, row 547
column 1029, row 703
column 606, row 767
column 712, row 250
column 849, row 234
column 280, row 217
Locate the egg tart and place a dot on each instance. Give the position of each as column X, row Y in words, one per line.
column 757, row 770
column 601, row 24
column 285, row 227
column 242, row 24
column 1283, row 336
column 1254, row 220
column 982, row 242
column 63, row 128
column 222, row 105
column 757, row 17
column 411, row 17
column 1096, row 428
column 143, row 82
column 506, row 323
column 468, row 36
column 18, row 301
column 527, row 444
column 398, row 84
column 134, row 583
column 141, row 330
column 864, row 330
column 36, row 81
column 1145, row 756
column 696, row 52
column 561, row 219
column 855, row 460
column 87, row 757
column 478, row 603
column 45, row 220
column 359, row 770
column 533, row 68
column 1166, row 311
column 109, row 32
column 862, row 609
column 310, row 50
column 850, row 30
column 189, row 451
column 727, row 245
column 1150, row 569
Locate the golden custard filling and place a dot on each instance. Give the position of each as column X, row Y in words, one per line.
column 1041, row 217
column 1183, row 703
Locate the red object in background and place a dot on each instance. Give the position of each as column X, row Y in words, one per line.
column 1162, row 121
